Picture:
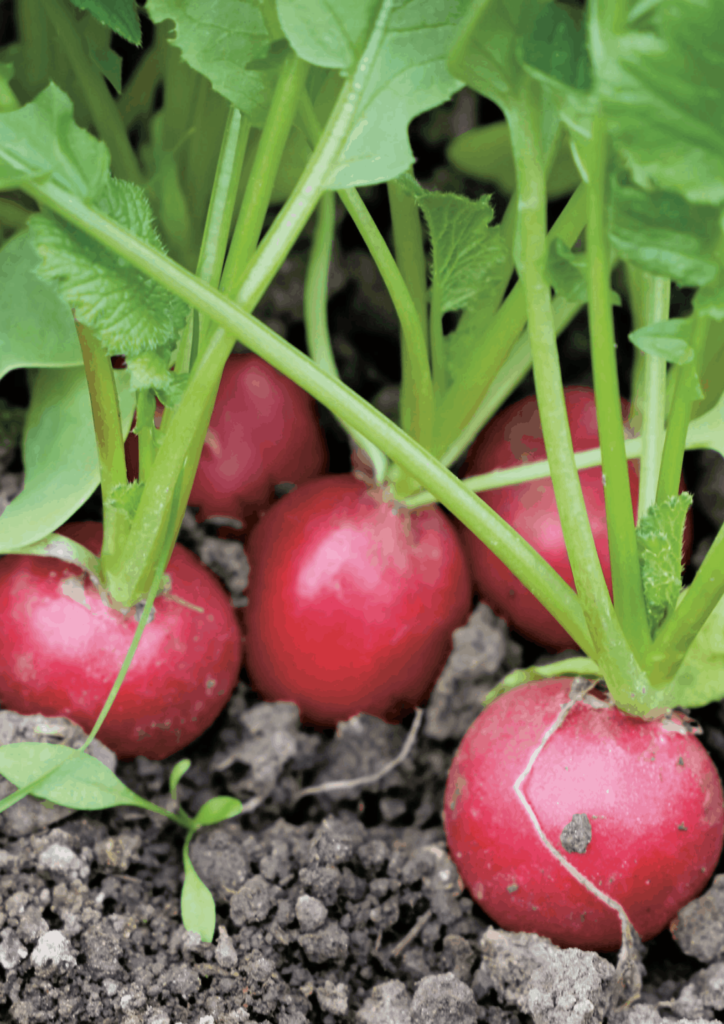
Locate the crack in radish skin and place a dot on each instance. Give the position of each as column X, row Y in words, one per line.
column 630, row 940
column 579, row 687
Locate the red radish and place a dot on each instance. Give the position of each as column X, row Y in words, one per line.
column 513, row 437
column 264, row 431
column 62, row 647
column 352, row 601
column 649, row 792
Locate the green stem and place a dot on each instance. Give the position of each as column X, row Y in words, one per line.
column 109, row 438
column 180, row 83
column 421, row 425
column 626, row 682
column 414, row 342
column 218, row 219
column 497, row 337
column 270, row 150
column 106, row 119
column 409, row 248
column 32, row 26
column 316, row 324
column 686, row 394
column 510, row 376
column 651, row 305
column 628, row 591
column 145, row 429
column 437, row 341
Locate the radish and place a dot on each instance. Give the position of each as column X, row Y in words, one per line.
column 513, row 437
column 63, row 645
column 635, row 806
column 264, row 431
column 352, row 601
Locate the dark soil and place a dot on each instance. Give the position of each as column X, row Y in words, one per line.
column 334, row 903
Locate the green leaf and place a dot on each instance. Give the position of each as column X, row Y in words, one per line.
column 109, row 62
column 567, row 273
column 36, row 326
column 663, row 233
column 662, row 89
column 119, row 15
column 554, row 45
column 218, row 808
column 485, row 52
column 178, row 770
column 41, row 141
column 198, row 910
column 219, row 38
column 467, row 253
column 659, row 540
column 667, row 338
column 79, row 781
column 700, row 678
column 59, row 455
column 397, row 54
column 129, row 313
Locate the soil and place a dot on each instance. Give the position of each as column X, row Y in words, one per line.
column 336, row 900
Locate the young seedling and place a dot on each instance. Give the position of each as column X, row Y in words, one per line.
column 90, row 278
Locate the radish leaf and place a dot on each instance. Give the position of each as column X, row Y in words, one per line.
column 659, row 541
column 219, row 38
column 396, row 53
column 41, row 141
column 119, row 15
column 128, row 313
column 36, row 326
column 59, row 455
column 667, row 338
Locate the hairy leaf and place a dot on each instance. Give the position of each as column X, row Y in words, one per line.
column 219, row 38
column 659, row 540
column 467, row 253
column 129, row 313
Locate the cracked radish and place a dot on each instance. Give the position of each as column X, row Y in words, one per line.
column 635, row 806
column 514, row 437
column 63, row 646
column 352, row 601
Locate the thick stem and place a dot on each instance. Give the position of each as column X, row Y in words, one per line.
column 257, row 195
column 628, row 592
column 611, row 651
